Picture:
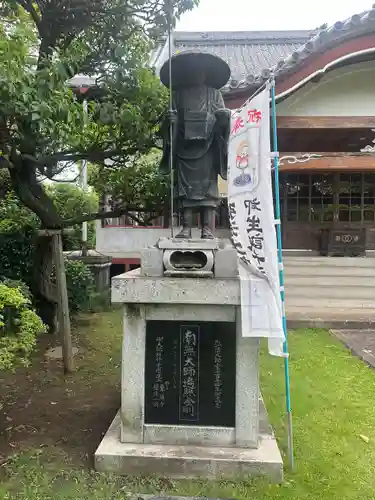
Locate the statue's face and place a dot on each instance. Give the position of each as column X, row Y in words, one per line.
column 197, row 78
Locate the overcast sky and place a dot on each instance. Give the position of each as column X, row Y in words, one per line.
column 250, row 15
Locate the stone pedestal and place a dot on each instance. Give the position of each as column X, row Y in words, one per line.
column 190, row 402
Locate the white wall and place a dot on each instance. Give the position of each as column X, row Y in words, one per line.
column 347, row 91
column 127, row 242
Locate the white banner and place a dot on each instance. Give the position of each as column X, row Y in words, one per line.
column 251, row 216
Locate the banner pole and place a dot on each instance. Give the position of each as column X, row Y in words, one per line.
column 281, row 274
column 169, row 12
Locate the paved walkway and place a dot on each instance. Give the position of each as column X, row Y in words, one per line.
column 360, row 342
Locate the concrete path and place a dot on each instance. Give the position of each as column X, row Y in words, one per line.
column 360, row 342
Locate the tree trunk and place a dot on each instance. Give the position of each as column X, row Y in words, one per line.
column 32, row 195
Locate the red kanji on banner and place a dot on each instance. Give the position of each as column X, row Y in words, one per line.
column 254, row 116
column 238, row 124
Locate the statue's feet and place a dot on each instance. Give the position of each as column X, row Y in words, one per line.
column 184, row 234
column 207, row 234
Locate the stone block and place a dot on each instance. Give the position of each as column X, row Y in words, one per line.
column 198, row 244
column 188, row 462
column 133, row 367
column 152, row 262
column 226, row 263
column 133, row 288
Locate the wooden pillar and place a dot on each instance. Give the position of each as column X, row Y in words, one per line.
column 62, row 298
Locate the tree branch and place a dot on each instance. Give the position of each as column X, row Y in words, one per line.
column 74, row 156
column 28, row 5
column 109, row 215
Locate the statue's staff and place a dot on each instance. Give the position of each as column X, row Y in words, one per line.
column 169, row 14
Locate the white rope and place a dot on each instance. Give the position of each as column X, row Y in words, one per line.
column 258, row 90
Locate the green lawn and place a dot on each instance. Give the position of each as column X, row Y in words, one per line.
column 333, row 397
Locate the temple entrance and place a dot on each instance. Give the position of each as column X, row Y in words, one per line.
column 312, row 202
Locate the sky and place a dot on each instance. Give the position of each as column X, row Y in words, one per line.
column 249, row 15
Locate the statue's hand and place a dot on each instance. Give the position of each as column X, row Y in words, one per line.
column 172, row 116
column 223, row 116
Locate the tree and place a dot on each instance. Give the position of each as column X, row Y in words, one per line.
column 42, row 125
column 139, row 182
column 72, row 202
column 41, row 122
column 18, row 227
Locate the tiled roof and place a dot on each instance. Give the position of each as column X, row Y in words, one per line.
column 252, row 56
column 245, row 52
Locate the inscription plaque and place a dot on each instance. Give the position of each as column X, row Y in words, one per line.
column 343, row 242
column 190, row 376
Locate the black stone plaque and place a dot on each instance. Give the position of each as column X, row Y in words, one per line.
column 190, row 374
column 343, row 242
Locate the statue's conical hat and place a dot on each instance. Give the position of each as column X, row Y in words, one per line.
column 186, row 63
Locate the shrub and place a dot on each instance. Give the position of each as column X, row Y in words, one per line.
column 81, row 286
column 69, row 201
column 17, row 235
column 22, row 287
column 19, row 327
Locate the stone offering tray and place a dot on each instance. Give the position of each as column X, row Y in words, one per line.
column 190, row 258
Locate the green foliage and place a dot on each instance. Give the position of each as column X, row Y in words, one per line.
column 18, row 226
column 43, row 128
column 81, row 287
column 19, row 327
column 14, row 216
column 71, row 201
column 20, row 285
column 138, row 182
column 5, row 184
column 17, row 233
column 39, row 103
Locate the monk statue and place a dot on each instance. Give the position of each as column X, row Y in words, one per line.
column 201, row 126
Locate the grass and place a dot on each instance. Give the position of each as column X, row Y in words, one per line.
column 334, row 413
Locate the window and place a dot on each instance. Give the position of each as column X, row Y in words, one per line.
column 369, row 197
column 295, row 191
column 306, row 197
column 317, row 197
column 322, row 201
column 350, row 196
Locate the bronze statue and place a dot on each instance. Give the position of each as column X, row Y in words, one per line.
column 201, row 127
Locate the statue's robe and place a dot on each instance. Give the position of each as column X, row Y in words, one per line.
column 200, row 146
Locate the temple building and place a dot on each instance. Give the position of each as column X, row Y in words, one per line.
column 326, row 129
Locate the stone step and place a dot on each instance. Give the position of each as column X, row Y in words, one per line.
column 320, row 319
column 334, row 317
column 330, row 262
column 321, row 303
column 315, row 281
column 332, row 291
column 301, row 270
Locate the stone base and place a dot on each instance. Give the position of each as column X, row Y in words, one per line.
column 188, row 462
